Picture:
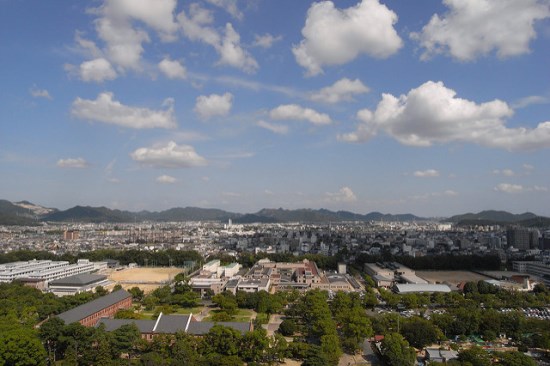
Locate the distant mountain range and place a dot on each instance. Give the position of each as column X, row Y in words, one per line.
column 492, row 217
column 27, row 213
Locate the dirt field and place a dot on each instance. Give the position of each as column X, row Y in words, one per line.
column 146, row 278
column 452, row 277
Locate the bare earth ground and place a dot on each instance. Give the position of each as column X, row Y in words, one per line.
column 146, row 278
column 452, row 277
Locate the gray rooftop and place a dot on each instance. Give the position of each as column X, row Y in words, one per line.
column 201, row 328
column 170, row 324
column 92, row 307
column 78, row 280
column 144, row 326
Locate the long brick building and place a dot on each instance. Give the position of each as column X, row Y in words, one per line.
column 105, row 307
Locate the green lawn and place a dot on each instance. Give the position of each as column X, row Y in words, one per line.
column 242, row 316
column 179, row 311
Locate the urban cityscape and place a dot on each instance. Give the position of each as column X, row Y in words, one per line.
column 275, row 183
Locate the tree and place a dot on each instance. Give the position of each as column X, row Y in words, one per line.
column 515, row 359
column 315, row 357
column 50, row 333
column 117, row 287
column 226, row 301
column 254, row 345
column 125, row 339
column 396, row 350
column 287, row 327
column 476, row 356
column 222, row 340
column 21, row 347
column 355, row 327
column 330, row 346
column 184, row 350
column 137, row 293
column 100, row 291
column 420, row 332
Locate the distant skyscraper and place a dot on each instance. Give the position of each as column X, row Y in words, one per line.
column 518, row 238
column 229, row 223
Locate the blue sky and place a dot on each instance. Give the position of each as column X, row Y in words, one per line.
column 433, row 107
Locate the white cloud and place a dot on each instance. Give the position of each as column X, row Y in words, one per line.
column 228, row 5
column 158, row 14
column 473, row 28
column 426, row 173
column 124, row 42
column 528, row 167
column 166, row 179
column 337, row 36
column 97, row 70
column 432, row 114
column 450, row 193
column 540, row 189
column 73, row 163
column 106, row 109
column 273, row 127
column 266, row 40
column 345, row 194
column 342, row 90
column 40, row 93
column 198, row 27
column 505, row 172
column 530, row 100
column 172, row 69
column 207, row 106
column 296, row 112
column 232, row 54
column 169, row 155
column 509, row 188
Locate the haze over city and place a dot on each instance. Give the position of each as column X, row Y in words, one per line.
column 434, row 107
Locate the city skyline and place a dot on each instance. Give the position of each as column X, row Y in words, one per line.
column 435, row 109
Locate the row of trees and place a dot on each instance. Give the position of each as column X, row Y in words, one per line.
column 79, row 345
column 162, row 258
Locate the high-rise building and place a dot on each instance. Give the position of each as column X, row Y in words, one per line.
column 518, row 238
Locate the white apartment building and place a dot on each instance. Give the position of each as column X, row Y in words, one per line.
column 44, row 270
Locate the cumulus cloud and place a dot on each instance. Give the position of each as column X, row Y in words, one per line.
column 166, row 179
column 40, row 93
column 509, row 188
column 108, row 110
column 505, row 172
column 172, row 69
column 73, row 163
column 473, row 28
column 530, row 100
column 266, row 40
column 296, row 112
column 337, row 36
column 125, row 42
column 228, row 5
column 198, row 27
column 426, row 173
column 232, row 54
column 342, row 90
column 207, row 106
column 345, row 194
column 169, row 155
column 273, row 127
column 432, row 114
column 97, row 70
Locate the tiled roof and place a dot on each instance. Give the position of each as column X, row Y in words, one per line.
column 201, row 328
column 78, row 280
column 144, row 326
column 92, row 307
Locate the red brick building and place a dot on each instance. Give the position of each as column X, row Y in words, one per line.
column 105, row 307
